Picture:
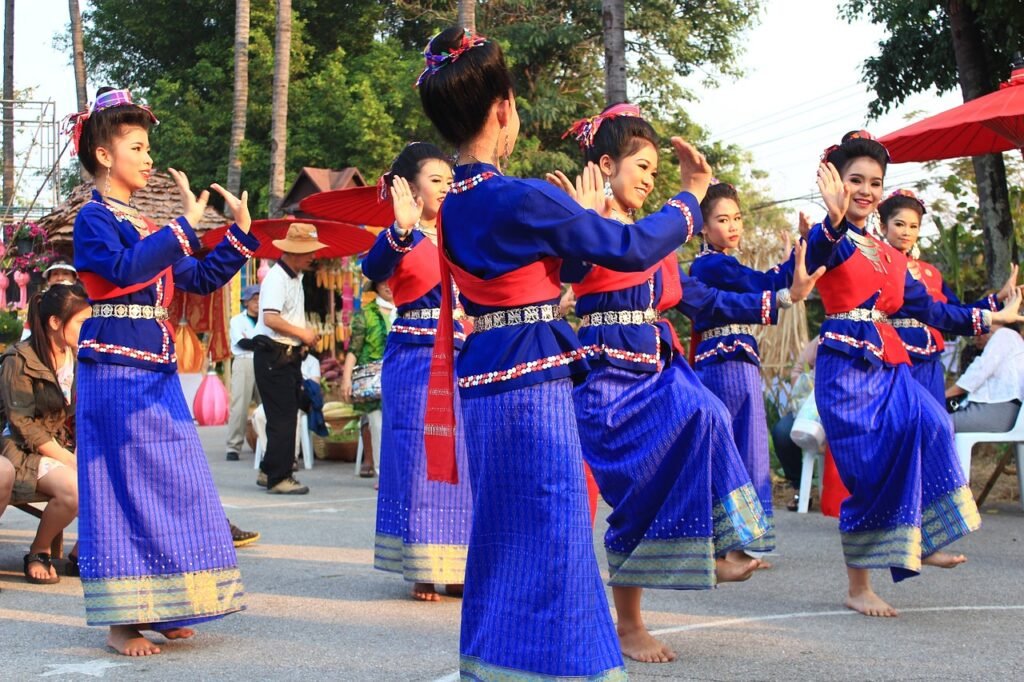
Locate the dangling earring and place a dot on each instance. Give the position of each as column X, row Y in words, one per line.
column 106, row 184
column 915, row 252
column 608, row 192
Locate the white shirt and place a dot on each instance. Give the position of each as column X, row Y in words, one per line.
column 281, row 292
column 388, row 309
column 241, row 327
column 997, row 375
column 310, row 368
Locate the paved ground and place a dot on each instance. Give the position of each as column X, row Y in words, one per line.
column 317, row 610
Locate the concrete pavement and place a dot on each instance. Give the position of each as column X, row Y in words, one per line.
column 318, row 610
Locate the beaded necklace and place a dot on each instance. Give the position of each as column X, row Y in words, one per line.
column 469, row 183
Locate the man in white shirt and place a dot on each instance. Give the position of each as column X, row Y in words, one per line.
column 993, row 384
column 281, row 333
column 243, row 376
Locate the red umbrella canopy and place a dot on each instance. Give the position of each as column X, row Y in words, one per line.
column 989, row 124
column 341, row 239
column 358, row 205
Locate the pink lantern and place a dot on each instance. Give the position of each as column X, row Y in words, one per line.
column 211, row 405
column 3, row 249
column 263, row 270
column 22, row 279
column 4, row 283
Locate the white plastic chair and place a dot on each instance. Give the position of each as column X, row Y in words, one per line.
column 303, row 441
column 377, row 418
column 811, row 457
column 965, row 443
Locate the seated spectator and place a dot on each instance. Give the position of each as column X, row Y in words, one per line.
column 992, row 388
column 789, row 453
column 37, row 403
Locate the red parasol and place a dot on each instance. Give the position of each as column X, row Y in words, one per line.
column 342, row 239
column 358, row 205
column 986, row 125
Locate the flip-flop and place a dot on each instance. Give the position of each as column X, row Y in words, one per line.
column 368, row 472
column 44, row 559
column 71, row 569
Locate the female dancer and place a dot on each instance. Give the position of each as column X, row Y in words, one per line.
column 422, row 526
column 727, row 359
column 155, row 547
column 893, row 444
column 534, row 606
column 659, row 443
column 901, row 213
column 38, row 404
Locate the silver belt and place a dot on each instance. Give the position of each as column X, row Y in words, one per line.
column 513, row 316
column 422, row 314
column 594, row 319
column 861, row 315
column 130, row 311
column 907, row 322
column 727, row 330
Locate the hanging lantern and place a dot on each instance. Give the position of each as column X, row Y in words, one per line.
column 211, row 405
column 4, row 283
column 189, row 349
column 22, row 279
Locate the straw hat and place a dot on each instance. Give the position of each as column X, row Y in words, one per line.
column 301, row 238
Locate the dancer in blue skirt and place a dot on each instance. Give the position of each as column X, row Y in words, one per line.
column 155, row 548
column 892, row 443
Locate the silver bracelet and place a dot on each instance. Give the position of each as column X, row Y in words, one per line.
column 986, row 317
column 784, row 298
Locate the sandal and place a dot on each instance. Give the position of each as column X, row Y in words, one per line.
column 367, row 472
column 44, row 559
column 71, row 569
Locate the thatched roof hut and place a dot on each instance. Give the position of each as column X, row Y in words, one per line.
column 313, row 180
column 159, row 201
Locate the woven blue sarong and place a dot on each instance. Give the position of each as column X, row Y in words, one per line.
column 661, row 449
column 893, row 447
column 422, row 526
column 534, row 606
column 154, row 544
column 737, row 384
column 930, row 374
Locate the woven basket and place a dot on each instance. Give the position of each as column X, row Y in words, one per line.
column 341, row 451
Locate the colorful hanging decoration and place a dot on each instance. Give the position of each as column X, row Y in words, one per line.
column 211, row 404
column 22, row 279
column 4, row 283
column 189, row 348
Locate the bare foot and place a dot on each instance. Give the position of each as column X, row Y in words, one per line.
column 943, row 560
column 741, row 557
column 425, row 592
column 640, row 645
column 453, row 590
column 870, row 604
column 172, row 633
column 734, row 572
column 128, row 641
column 39, row 571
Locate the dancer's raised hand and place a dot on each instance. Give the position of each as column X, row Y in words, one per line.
column 1011, row 284
column 1010, row 314
column 590, row 188
column 803, row 283
column 562, row 182
column 407, row 209
column 834, row 192
column 694, row 169
column 194, row 207
column 239, row 207
column 804, row 224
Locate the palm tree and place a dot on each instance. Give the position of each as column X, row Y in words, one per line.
column 279, row 106
column 8, row 108
column 613, row 17
column 467, row 15
column 241, row 97
column 78, row 56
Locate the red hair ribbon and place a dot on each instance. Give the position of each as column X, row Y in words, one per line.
column 585, row 129
column 436, row 61
column 73, row 124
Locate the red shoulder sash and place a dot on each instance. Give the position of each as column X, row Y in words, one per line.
column 100, row 289
column 417, row 273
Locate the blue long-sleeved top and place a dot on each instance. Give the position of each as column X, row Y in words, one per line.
column 502, row 224
column 383, row 263
column 725, row 272
column 109, row 246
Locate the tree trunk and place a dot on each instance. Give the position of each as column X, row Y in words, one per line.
column 613, row 18
column 241, row 98
column 78, row 55
column 279, row 107
column 8, row 108
column 467, row 15
column 976, row 79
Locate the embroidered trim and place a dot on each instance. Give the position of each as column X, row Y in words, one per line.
column 766, row 307
column 421, row 314
column 906, row 323
column 993, row 302
column 850, row 341
column 861, row 315
column 548, row 312
column 421, row 331
column 469, row 183
column 927, row 350
column 179, row 234
column 976, row 321
column 238, row 245
column 728, row 348
column 630, row 355
column 687, row 214
column 649, row 316
column 133, row 353
column 393, row 243
column 529, row 367
column 727, row 330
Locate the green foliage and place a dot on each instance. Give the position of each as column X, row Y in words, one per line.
column 11, row 326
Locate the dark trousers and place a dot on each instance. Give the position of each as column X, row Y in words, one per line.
column 791, row 457
column 279, row 379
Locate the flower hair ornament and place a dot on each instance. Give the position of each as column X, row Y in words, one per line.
column 856, row 135
column 908, row 194
column 73, row 124
column 585, row 129
column 434, row 62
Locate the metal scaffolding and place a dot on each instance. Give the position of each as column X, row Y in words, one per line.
column 37, row 155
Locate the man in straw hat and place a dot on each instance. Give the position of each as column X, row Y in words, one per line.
column 281, row 333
